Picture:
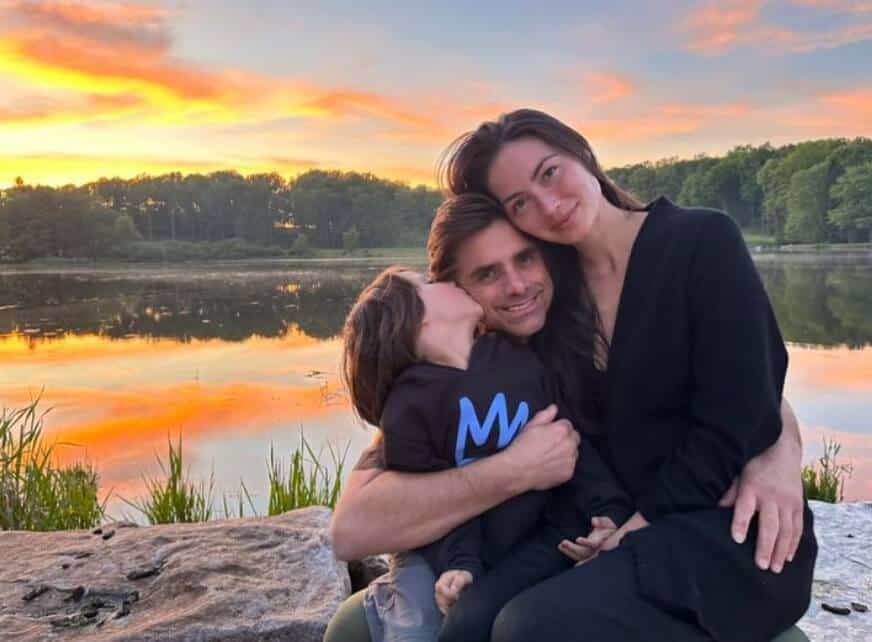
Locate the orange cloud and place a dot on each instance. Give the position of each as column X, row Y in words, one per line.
column 664, row 120
column 834, row 114
column 106, row 50
column 143, row 25
column 61, row 169
column 604, row 88
column 716, row 27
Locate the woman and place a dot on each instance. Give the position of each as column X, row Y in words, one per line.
column 549, row 181
column 693, row 367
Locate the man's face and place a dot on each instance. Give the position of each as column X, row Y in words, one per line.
column 506, row 273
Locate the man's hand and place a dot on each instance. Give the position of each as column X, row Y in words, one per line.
column 544, row 452
column 584, row 549
column 771, row 487
column 448, row 588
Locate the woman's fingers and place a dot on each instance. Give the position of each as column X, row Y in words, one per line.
column 798, row 518
column 729, row 497
column 782, row 542
column 768, row 526
column 743, row 511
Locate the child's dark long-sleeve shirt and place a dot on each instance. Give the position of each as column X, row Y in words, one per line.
column 438, row 417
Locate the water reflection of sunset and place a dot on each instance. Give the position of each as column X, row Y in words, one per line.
column 830, row 390
column 834, row 368
column 232, row 396
column 21, row 347
column 119, row 400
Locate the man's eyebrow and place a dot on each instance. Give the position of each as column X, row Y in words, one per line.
column 527, row 251
column 532, row 176
column 481, row 269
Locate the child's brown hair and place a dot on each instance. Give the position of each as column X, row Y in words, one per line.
column 379, row 340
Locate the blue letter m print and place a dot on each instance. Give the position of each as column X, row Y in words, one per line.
column 469, row 425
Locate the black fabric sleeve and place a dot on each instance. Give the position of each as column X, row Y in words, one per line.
column 406, row 427
column 738, row 360
column 458, row 550
column 593, row 491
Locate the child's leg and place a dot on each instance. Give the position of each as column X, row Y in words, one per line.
column 400, row 606
column 472, row 616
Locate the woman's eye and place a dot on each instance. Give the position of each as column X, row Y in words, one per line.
column 518, row 205
column 549, row 172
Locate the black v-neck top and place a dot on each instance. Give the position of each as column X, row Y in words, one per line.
column 696, row 364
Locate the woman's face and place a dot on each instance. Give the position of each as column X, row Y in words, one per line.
column 547, row 193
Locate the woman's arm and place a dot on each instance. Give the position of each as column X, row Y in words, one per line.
column 386, row 511
column 738, row 363
column 770, row 485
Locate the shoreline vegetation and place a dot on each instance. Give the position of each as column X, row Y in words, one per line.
column 38, row 495
column 813, row 192
column 159, row 252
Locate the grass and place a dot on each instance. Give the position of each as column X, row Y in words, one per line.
column 756, row 237
column 174, row 499
column 825, row 479
column 35, row 494
column 308, row 482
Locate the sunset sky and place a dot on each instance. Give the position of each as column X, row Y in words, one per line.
column 90, row 89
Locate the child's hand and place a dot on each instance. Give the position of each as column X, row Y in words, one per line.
column 448, row 588
column 584, row 549
column 635, row 523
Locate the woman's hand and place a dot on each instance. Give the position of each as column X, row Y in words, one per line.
column 448, row 588
column 770, row 485
column 584, row 549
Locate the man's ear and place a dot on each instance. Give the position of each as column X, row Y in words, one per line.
column 480, row 328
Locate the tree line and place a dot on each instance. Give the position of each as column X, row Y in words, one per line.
column 811, row 192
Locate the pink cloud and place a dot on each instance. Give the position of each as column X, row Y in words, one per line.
column 719, row 27
column 604, row 88
column 143, row 26
column 846, row 6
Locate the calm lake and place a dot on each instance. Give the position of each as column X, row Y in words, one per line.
column 238, row 357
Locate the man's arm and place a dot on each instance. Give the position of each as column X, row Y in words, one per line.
column 385, row 511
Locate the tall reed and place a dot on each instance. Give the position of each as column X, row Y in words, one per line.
column 825, row 480
column 308, row 482
column 175, row 499
column 36, row 494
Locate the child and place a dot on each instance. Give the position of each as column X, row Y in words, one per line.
column 444, row 397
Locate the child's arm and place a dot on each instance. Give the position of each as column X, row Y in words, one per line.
column 536, row 559
column 456, row 561
column 593, row 491
column 459, row 550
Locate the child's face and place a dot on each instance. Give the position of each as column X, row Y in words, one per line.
column 445, row 304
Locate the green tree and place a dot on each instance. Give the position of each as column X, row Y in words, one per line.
column 350, row 240
column 807, row 205
column 853, row 193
